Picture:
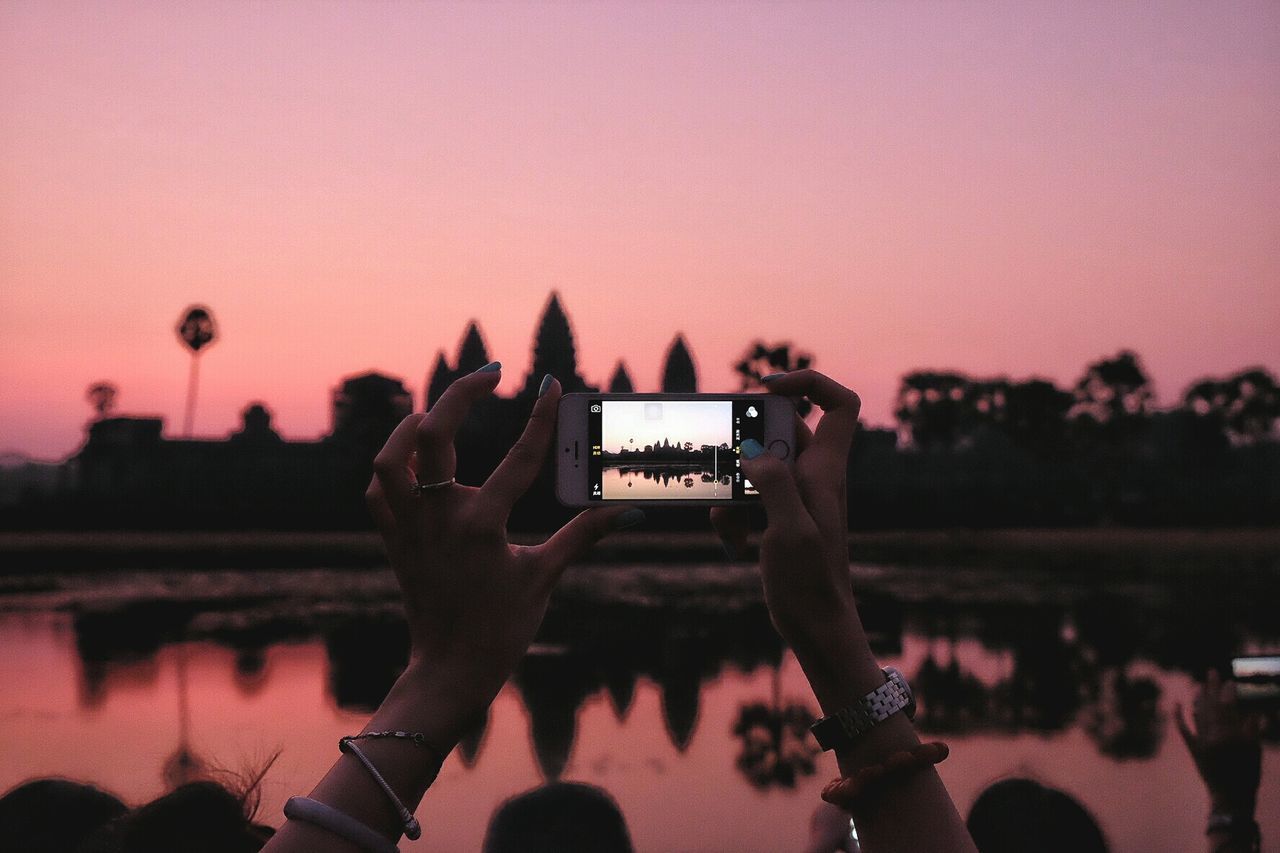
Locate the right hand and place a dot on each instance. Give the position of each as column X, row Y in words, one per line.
column 804, row 552
column 1226, row 745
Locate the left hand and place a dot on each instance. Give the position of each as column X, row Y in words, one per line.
column 473, row 600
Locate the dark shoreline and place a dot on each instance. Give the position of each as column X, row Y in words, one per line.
column 1127, row 549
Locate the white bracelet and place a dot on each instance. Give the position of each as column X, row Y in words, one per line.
column 339, row 823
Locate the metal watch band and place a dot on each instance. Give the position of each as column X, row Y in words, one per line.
column 844, row 726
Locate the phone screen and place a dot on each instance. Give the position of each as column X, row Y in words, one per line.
column 1257, row 679
column 670, row 449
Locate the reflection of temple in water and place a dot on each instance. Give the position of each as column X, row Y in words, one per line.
column 1046, row 666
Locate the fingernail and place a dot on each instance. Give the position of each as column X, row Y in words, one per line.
column 630, row 518
column 546, row 384
column 728, row 552
column 491, row 367
column 751, row 448
column 771, row 377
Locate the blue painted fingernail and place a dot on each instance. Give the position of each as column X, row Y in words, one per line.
column 491, row 367
column 546, row 384
column 751, row 448
column 630, row 518
column 771, row 377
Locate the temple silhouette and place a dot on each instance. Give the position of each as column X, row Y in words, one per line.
column 967, row 451
column 129, row 473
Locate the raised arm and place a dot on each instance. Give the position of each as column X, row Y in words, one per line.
column 1227, row 749
column 473, row 602
column 804, row 561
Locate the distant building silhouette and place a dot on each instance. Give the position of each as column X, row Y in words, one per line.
column 256, row 428
column 621, row 381
column 441, row 377
column 472, row 355
column 367, row 407
column 554, row 352
column 679, row 375
column 254, row 477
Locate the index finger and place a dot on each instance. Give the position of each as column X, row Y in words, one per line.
column 392, row 469
column 840, row 406
column 436, row 432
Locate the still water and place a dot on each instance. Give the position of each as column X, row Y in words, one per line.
column 663, row 684
column 669, row 482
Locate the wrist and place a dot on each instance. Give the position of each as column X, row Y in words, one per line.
column 439, row 701
column 1234, row 804
column 838, row 662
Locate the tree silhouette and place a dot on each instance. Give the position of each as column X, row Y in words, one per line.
column 1125, row 720
column 1035, row 415
column 1244, row 408
column 196, row 330
column 1113, row 398
column 761, row 359
column 102, row 396
column 931, row 408
column 777, row 748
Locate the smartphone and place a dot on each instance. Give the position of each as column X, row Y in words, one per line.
column 1257, row 679
column 666, row 449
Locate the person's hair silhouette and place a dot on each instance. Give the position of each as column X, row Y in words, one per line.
column 559, row 817
column 1020, row 816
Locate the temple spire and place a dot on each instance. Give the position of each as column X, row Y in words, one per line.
column 679, row 376
column 472, row 353
column 621, row 381
column 553, row 351
column 441, row 378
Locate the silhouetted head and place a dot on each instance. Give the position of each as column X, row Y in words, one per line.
column 53, row 815
column 560, row 817
column 1019, row 815
column 199, row 817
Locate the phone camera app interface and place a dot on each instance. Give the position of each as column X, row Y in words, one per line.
column 670, row 449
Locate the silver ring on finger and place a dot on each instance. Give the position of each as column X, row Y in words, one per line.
column 418, row 488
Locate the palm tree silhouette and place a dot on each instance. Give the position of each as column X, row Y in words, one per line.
column 760, row 360
column 196, row 331
column 776, row 746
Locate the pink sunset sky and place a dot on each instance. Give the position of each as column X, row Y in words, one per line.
column 1011, row 188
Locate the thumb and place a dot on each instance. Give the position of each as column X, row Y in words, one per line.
column 776, row 485
column 575, row 539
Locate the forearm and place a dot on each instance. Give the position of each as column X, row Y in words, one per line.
column 911, row 814
column 438, row 704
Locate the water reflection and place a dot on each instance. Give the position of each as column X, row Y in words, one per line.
column 662, row 679
column 777, row 748
column 664, row 481
column 1042, row 665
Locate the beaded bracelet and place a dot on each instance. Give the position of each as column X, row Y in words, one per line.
column 848, row 791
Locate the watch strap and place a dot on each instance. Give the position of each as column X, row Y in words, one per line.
column 844, row 726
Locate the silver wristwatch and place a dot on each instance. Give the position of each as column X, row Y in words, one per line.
column 843, row 727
